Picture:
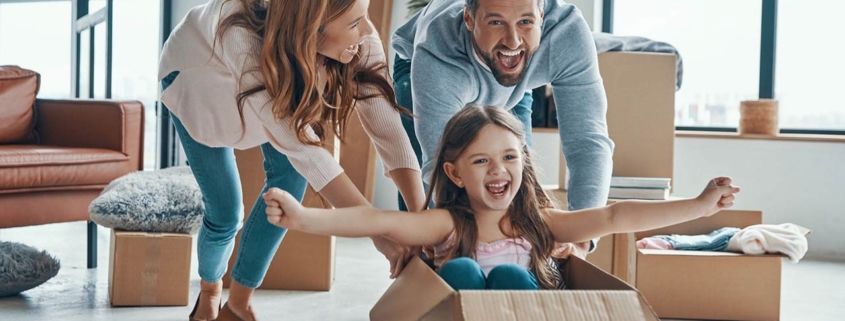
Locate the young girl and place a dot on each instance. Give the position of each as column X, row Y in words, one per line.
column 494, row 227
column 285, row 75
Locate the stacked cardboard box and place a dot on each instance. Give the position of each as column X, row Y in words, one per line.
column 149, row 269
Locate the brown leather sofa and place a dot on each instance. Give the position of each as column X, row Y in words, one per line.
column 79, row 146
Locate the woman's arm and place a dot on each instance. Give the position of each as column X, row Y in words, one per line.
column 383, row 125
column 428, row 228
column 635, row 216
column 409, row 183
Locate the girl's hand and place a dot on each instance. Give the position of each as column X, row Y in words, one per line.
column 283, row 210
column 718, row 195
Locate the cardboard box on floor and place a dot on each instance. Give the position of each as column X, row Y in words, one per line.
column 306, row 261
column 149, row 269
column 696, row 284
column 420, row 294
column 707, row 285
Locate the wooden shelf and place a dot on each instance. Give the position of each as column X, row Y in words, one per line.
column 781, row 137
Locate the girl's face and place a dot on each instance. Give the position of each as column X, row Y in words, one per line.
column 490, row 169
column 342, row 37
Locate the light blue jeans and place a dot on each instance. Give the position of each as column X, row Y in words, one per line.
column 217, row 174
column 465, row 274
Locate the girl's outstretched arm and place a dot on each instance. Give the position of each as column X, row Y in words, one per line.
column 429, row 227
column 635, row 216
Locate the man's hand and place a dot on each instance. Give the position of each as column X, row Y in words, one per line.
column 396, row 253
column 564, row 250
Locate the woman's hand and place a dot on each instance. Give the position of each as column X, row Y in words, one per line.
column 284, row 210
column 397, row 254
column 718, row 195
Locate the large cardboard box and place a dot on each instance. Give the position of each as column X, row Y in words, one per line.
column 420, row 294
column 708, row 285
column 149, row 269
column 640, row 88
column 303, row 261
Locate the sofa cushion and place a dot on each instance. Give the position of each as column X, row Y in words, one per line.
column 165, row 201
column 33, row 167
column 23, row 267
column 18, row 88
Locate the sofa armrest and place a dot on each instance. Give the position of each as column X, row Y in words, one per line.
column 109, row 124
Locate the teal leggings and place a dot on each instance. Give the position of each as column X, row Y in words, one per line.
column 465, row 274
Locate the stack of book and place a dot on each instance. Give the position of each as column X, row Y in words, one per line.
column 644, row 188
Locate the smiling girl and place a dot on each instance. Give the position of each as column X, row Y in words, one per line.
column 493, row 226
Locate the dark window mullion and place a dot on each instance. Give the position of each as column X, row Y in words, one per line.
column 91, row 60
column 768, row 47
column 607, row 9
column 109, row 11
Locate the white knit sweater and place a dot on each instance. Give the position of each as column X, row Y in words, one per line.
column 203, row 97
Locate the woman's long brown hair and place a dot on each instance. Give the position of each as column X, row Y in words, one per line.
column 290, row 32
column 524, row 214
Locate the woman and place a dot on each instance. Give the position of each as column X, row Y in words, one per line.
column 283, row 74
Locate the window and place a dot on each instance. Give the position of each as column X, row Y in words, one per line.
column 809, row 65
column 135, row 52
column 135, row 49
column 719, row 42
column 48, row 22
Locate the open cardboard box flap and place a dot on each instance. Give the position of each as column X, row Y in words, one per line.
column 420, row 294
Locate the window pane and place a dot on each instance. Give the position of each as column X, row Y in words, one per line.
column 100, row 61
column 36, row 36
column 809, row 65
column 95, row 5
column 135, row 62
column 719, row 41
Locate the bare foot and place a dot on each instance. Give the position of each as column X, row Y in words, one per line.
column 211, row 295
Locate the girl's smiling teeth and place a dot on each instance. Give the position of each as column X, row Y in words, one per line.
column 497, row 188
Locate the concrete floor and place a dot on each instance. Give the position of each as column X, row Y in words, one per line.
column 810, row 290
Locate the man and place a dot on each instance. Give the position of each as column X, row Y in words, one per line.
column 493, row 52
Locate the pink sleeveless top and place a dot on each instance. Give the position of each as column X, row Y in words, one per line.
column 490, row 255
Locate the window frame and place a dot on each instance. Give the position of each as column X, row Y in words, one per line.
column 768, row 53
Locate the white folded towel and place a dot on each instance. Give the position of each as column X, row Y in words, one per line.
column 788, row 239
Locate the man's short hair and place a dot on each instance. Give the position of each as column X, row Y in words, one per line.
column 472, row 5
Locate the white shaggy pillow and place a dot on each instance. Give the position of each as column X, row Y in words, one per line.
column 166, row 201
column 23, row 267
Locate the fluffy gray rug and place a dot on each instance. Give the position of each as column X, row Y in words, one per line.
column 23, row 267
column 167, row 201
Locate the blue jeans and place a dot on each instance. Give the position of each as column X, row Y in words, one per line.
column 217, row 174
column 404, row 97
column 465, row 274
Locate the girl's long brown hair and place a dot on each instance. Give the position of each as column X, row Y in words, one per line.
column 290, row 32
column 524, row 214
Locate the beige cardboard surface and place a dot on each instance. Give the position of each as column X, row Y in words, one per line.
column 149, row 269
column 303, row 261
column 720, row 286
column 640, row 90
column 419, row 293
column 709, row 285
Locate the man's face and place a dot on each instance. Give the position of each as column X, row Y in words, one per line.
column 505, row 34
